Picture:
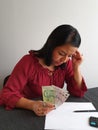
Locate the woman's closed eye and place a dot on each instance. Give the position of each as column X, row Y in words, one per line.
column 64, row 54
column 70, row 56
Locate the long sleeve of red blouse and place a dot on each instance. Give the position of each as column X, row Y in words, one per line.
column 11, row 92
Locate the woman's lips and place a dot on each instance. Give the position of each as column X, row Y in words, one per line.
column 58, row 63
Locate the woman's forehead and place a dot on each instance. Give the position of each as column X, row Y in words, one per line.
column 68, row 48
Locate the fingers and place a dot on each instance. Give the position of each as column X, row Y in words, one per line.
column 47, row 107
column 77, row 55
column 46, row 104
column 42, row 108
column 43, row 112
column 77, row 59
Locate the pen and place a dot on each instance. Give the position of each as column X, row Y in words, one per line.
column 85, row 111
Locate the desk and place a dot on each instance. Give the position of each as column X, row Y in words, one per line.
column 19, row 119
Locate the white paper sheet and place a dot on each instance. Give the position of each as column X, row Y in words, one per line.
column 64, row 117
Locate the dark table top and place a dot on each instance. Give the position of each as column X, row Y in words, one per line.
column 20, row 119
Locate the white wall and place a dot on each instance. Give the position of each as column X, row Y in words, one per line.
column 26, row 24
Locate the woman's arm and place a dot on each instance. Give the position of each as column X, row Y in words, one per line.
column 78, row 77
column 77, row 59
column 39, row 107
column 75, row 81
column 12, row 91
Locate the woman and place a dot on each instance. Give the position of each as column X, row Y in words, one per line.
column 58, row 61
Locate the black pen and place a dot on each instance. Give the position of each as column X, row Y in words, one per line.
column 85, row 111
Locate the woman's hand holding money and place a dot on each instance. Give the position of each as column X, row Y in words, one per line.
column 42, row 108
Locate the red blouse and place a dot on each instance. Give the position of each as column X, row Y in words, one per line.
column 28, row 77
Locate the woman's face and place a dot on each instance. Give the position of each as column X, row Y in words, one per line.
column 62, row 54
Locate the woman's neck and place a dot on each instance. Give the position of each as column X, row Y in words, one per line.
column 51, row 67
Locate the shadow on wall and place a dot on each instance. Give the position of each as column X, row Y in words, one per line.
column 1, row 83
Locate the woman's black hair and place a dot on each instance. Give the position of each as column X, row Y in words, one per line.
column 61, row 35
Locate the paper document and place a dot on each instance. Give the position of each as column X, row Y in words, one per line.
column 64, row 117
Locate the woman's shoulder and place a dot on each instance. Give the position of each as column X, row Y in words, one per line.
column 29, row 57
column 27, row 60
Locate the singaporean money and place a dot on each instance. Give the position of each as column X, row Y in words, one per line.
column 48, row 94
column 61, row 95
column 54, row 95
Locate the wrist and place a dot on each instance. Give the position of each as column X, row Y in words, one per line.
column 77, row 76
column 31, row 105
column 25, row 103
column 76, row 69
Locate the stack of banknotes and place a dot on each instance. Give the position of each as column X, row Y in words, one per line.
column 54, row 95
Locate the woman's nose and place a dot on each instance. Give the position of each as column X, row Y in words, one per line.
column 64, row 59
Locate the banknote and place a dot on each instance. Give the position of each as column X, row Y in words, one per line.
column 61, row 96
column 48, row 94
column 54, row 95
